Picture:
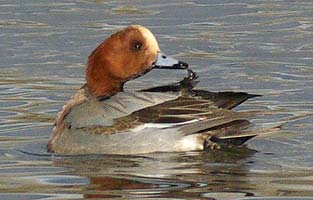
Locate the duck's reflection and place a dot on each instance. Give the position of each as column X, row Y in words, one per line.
column 161, row 174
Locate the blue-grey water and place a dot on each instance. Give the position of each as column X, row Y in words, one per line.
column 262, row 46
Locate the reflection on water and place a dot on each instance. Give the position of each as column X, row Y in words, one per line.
column 153, row 175
column 263, row 47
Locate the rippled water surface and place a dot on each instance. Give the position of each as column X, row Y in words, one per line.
column 263, row 47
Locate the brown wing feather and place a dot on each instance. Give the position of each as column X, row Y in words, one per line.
column 227, row 100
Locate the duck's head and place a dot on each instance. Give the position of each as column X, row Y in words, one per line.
column 125, row 55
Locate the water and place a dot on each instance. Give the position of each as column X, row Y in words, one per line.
column 263, row 47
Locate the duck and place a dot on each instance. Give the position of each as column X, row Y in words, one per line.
column 103, row 118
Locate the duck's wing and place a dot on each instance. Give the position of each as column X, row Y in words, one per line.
column 189, row 116
column 146, row 111
column 227, row 100
column 230, row 129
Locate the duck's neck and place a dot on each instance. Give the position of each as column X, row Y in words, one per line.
column 102, row 88
column 99, row 81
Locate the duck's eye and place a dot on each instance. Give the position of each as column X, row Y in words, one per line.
column 137, row 46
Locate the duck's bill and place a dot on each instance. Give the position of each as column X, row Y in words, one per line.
column 165, row 62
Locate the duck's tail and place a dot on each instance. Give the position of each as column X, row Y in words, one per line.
column 234, row 140
column 237, row 133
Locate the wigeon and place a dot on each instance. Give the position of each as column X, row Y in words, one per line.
column 103, row 118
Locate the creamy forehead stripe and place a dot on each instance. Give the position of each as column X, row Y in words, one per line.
column 149, row 36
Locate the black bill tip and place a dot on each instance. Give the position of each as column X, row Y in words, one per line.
column 181, row 65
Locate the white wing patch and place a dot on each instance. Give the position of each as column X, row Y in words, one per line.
column 190, row 143
column 163, row 125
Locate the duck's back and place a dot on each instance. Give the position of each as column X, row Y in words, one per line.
column 143, row 122
column 104, row 111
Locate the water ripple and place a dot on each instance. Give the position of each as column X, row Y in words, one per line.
column 262, row 47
